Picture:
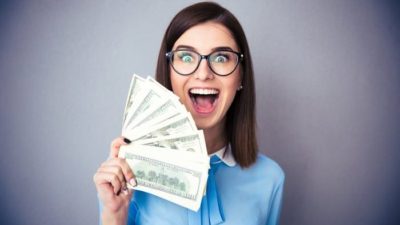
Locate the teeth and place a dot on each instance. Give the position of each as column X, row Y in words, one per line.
column 200, row 91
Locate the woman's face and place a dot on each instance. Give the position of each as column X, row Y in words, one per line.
column 207, row 96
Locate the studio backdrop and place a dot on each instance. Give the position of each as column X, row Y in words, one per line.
column 328, row 101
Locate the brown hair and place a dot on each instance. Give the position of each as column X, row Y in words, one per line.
column 241, row 118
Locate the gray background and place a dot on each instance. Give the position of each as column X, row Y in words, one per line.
column 328, row 94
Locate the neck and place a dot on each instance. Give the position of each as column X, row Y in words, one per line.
column 215, row 138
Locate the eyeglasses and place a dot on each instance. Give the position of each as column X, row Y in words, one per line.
column 221, row 62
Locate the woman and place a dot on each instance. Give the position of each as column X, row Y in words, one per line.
column 244, row 187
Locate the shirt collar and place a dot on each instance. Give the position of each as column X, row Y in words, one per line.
column 225, row 155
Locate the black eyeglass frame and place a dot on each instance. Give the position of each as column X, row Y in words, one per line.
column 170, row 54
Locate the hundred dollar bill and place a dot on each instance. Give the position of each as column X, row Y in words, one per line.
column 181, row 123
column 168, row 114
column 192, row 142
column 153, row 97
column 172, row 156
column 149, row 99
column 165, row 111
column 179, row 182
column 136, row 85
column 154, row 84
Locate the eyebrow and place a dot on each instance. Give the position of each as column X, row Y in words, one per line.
column 220, row 48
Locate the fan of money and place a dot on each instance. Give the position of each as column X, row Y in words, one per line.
column 168, row 153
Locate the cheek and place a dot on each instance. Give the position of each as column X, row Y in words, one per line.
column 230, row 97
column 232, row 88
column 177, row 84
column 230, row 92
column 234, row 82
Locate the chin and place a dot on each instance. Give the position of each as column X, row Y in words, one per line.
column 205, row 123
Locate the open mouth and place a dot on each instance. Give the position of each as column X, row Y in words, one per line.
column 204, row 99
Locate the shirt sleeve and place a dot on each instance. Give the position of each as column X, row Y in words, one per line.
column 276, row 204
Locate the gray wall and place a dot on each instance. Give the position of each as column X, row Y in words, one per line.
column 328, row 94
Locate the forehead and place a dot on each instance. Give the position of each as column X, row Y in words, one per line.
column 207, row 36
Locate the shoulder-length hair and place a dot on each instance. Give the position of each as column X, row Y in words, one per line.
column 241, row 118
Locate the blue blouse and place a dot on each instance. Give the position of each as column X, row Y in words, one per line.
column 250, row 196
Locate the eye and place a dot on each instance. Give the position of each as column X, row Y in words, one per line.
column 220, row 57
column 186, row 57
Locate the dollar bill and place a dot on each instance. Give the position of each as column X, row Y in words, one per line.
column 159, row 113
column 184, row 142
column 161, row 88
column 150, row 99
column 178, row 182
column 179, row 124
column 136, row 86
column 172, row 156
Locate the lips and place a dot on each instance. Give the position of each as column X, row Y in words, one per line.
column 204, row 99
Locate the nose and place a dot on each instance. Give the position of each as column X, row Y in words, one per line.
column 203, row 72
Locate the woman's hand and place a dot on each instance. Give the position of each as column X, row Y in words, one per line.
column 111, row 179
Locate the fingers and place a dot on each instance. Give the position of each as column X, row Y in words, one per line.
column 109, row 178
column 123, row 169
column 116, row 144
column 111, row 192
column 115, row 172
column 113, row 175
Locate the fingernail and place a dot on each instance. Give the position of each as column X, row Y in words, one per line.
column 124, row 188
column 125, row 192
column 133, row 182
column 126, row 140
